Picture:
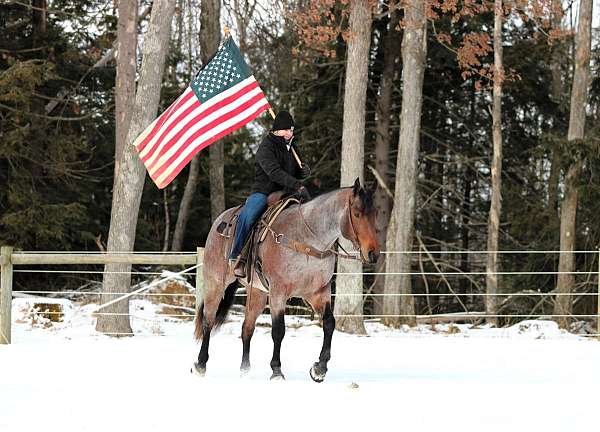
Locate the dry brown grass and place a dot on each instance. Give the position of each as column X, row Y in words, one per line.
column 175, row 294
column 452, row 329
column 52, row 311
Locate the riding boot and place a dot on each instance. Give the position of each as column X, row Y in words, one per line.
column 239, row 270
column 238, row 266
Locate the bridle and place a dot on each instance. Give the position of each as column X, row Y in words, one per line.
column 355, row 241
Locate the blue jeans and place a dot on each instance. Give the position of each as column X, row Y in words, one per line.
column 254, row 207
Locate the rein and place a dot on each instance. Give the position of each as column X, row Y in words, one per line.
column 306, row 249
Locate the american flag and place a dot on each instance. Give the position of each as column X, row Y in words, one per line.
column 223, row 97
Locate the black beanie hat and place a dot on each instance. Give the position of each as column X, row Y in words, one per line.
column 283, row 120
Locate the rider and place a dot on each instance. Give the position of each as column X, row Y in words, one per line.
column 275, row 169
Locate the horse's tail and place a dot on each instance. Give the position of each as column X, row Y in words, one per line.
column 224, row 306
column 198, row 327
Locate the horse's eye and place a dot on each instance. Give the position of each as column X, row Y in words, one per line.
column 356, row 215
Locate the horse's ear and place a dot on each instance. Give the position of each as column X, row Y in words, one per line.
column 356, row 187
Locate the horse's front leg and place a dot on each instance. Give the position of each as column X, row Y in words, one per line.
column 255, row 304
column 277, row 333
column 322, row 304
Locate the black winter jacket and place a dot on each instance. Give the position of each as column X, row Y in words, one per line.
column 276, row 167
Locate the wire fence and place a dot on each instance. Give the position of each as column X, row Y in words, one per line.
column 476, row 297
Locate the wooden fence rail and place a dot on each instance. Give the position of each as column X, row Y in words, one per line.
column 8, row 259
column 5, row 294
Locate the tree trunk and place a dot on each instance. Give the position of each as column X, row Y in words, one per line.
column 210, row 36
column 185, row 205
column 553, row 180
column 349, row 288
column 557, row 58
column 557, row 96
column 468, row 178
column 491, row 268
column 129, row 184
column 125, row 80
column 243, row 11
column 39, row 20
column 414, row 49
column 568, row 210
column 167, row 220
column 466, row 215
column 382, row 150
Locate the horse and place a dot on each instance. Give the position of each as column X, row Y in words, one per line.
column 291, row 267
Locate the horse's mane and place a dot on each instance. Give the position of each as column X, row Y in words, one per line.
column 367, row 198
column 318, row 198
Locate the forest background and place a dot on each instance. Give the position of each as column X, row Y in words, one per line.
column 59, row 124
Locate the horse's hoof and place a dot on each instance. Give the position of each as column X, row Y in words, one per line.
column 198, row 370
column 244, row 371
column 316, row 374
column 277, row 376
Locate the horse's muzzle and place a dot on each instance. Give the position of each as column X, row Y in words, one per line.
column 373, row 257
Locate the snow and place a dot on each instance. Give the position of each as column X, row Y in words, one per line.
column 63, row 376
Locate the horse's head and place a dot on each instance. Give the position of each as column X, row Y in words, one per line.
column 359, row 225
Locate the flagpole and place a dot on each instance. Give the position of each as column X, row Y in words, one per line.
column 226, row 32
column 291, row 148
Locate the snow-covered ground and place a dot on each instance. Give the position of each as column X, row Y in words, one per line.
column 66, row 377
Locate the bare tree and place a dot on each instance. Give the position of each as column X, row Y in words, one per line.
column 382, row 200
column 400, row 232
column 210, row 36
column 568, row 210
column 349, row 288
column 126, row 67
column 243, row 11
column 129, row 184
column 491, row 300
column 556, row 96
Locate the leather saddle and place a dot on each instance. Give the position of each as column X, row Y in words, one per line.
column 276, row 203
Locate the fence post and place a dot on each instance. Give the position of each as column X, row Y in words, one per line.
column 5, row 293
column 199, row 278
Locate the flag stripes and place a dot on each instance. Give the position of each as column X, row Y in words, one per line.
column 150, row 133
column 233, row 124
column 188, row 126
column 191, row 116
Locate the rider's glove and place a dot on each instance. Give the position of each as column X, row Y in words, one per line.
column 302, row 194
column 304, row 171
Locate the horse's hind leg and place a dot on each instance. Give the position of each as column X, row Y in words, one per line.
column 208, row 321
column 254, row 306
column 322, row 304
column 277, row 333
